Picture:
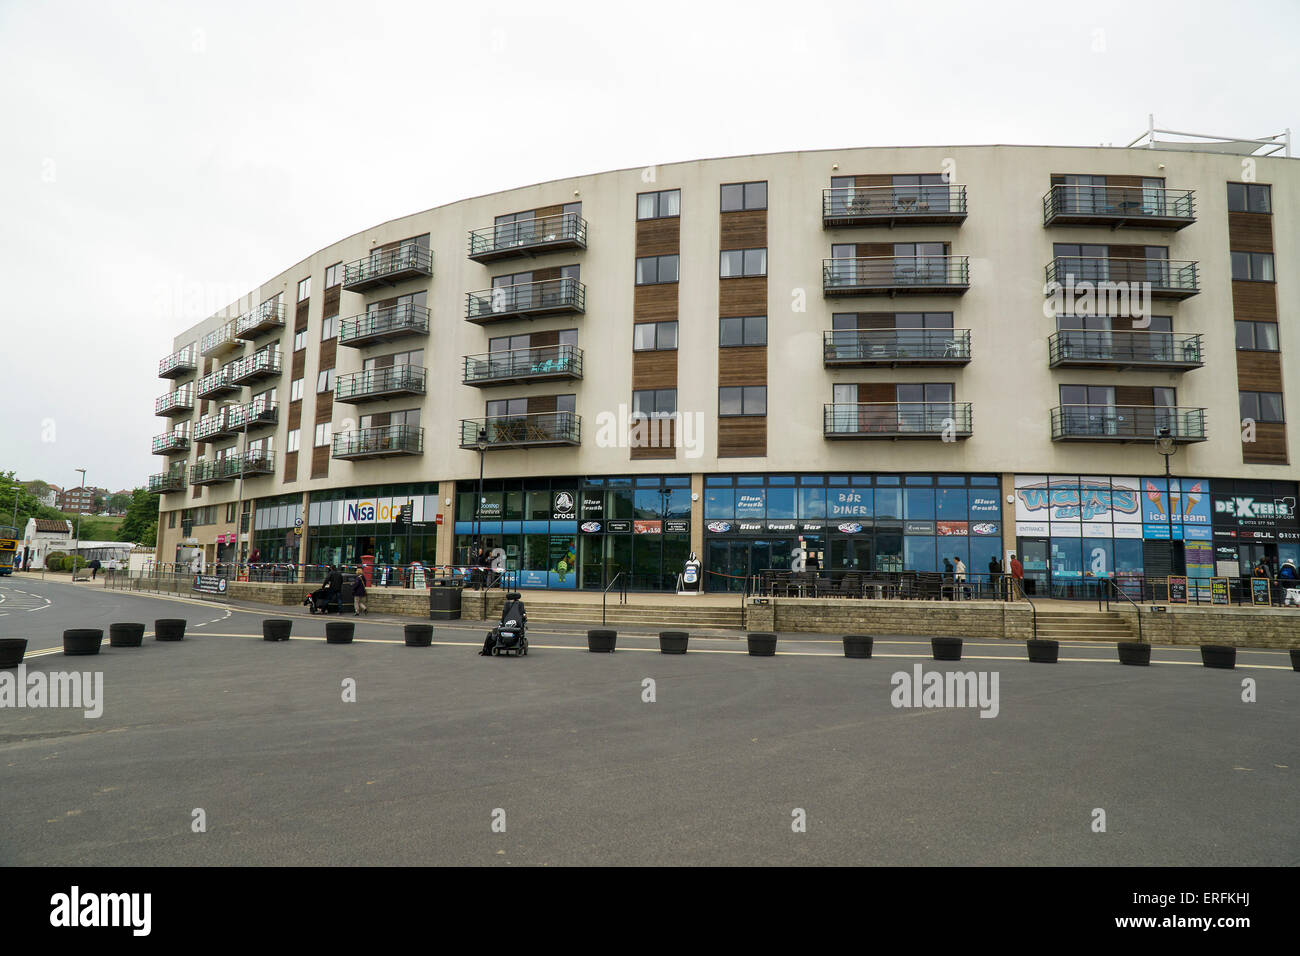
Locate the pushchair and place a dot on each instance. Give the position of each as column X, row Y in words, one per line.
column 509, row 636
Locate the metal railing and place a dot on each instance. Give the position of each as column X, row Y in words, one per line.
column 169, row 442
column 167, row 481
column 393, row 321
column 268, row 315
column 179, row 400
column 622, row 593
column 1123, row 347
column 896, row 272
column 505, row 431
column 260, row 363
column 213, row 426
column 379, row 441
column 219, row 340
column 887, row 419
column 1169, row 276
column 563, row 228
column 259, row 411
column 1129, row 422
column 377, row 382
column 522, row 298
column 893, row 202
column 884, row 585
column 1119, row 202
column 1108, row 585
column 214, row 383
column 895, row 345
column 514, row 364
column 379, row 266
column 178, row 363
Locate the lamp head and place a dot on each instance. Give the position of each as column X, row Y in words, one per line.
column 1165, row 442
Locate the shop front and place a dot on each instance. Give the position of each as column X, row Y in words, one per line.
column 1254, row 522
column 396, row 524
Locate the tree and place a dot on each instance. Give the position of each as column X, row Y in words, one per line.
column 28, row 505
column 141, row 522
column 118, row 503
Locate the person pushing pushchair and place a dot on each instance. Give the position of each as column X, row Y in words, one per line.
column 331, row 589
column 509, row 636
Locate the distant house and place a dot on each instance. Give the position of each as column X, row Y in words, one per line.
column 44, row 535
column 76, row 500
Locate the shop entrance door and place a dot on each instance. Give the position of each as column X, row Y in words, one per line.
column 726, row 564
column 1251, row 554
column 1033, row 554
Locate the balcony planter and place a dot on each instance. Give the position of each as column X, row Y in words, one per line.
column 125, row 635
column 857, row 645
column 1043, row 652
column 600, row 641
column 419, row 635
column 169, row 629
column 1295, row 658
column 339, row 632
column 673, row 642
column 276, row 629
column 82, row 641
column 945, row 648
column 12, row 650
column 1136, row 653
column 1219, row 656
column 761, row 644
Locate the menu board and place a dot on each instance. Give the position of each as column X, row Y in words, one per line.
column 1259, row 591
column 417, row 576
column 1219, row 593
column 1177, row 588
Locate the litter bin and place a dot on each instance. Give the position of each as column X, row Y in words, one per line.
column 444, row 600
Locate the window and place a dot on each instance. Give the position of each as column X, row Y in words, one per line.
column 324, row 432
column 742, row 262
column 654, row 336
column 653, row 270
column 1262, row 406
column 294, row 437
column 1253, row 266
column 300, row 340
column 333, row 275
column 171, row 519
column 413, row 357
column 655, row 402
column 748, row 400
column 1257, row 336
column 1249, row 197
column 738, row 196
column 304, row 289
column 328, row 327
column 295, row 390
column 230, row 513
column 661, row 205
column 325, row 381
column 746, row 330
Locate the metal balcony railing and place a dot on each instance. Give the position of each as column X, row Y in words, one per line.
column 1149, row 206
column 254, row 463
column 528, row 237
column 380, row 442
column 526, row 298
column 261, row 364
column 216, row 383
column 170, row 442
column 167, row 481
column 217, row 470
column 865, row 205
column 1124, row 349
column 1127, row 423
column 896, row 347
column 267, row 316
column 178, row 363
column 214, row 426
column 220, row 340
column 388, row 267
column 519, row 365
column 252, row 414
column 180, row 400
column 896, row 274
column 517, row 431
column 1166, row 278
column 382, row 325
column 377, row 383
column 942, row 420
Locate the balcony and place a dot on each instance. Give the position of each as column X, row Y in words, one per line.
column 252, row 415
column 887, row 205
column 265, row 318
column 214, row 472
column 525, row 300
column 171, row 442
column 167, row 481
column 385, row 441
column 896, row 275
column 254, row 463
column 388, row 268
column 259, row 365
column 181, row 400
column 522, row 431
column 1115, row 206
column 529, row 237
column 945, row 421
column 1074, row 348
column 210, row 427
column 384, row 325
column 862, row 348
column 519, row 366
column 1127, row 423
column 216, row 383
column 376, row 384
column 178, row 363
column 1165, row 278
column 221, row 341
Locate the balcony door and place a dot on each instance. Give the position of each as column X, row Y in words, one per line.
column 1086, row 336
column 1089, row 409
column 924, row 192
column 843, row 193
column 1083, row 194
column 844, row 263
column 1083, row 262
column 920, row 262
column 925, row 408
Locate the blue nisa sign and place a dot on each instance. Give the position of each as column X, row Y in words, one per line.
column 359, row 512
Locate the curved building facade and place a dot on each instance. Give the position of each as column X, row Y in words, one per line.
column 885, row 357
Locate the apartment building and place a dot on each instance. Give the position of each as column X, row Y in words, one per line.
column 884, row 356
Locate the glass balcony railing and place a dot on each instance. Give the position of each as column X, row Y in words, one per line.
column 896, row 274
column 377, row 383
column 526, row 298
column 1079, row 348
column 942, row 420
column 1150, row 206
column 383, row 325
column 171, row 442
column 167, row 481
column 388, row 267
column 865, row 205
column 1127, row 423
column 214, row 426
column 252, row 414
column 519, row 365
column 525, row 237
column 380, row 442
column 896, row 347
column 517, row 431
column 1164, row 278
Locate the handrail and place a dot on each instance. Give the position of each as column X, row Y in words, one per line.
column 605, row 593
column 1020, row 583
column 1120, row 592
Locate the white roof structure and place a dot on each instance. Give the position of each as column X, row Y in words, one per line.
column 1203, row 143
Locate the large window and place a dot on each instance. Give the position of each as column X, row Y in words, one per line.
column 300, row 340
column 1262, row 406
column 664, row 204
column 1249, row 197
column 653, row 270
column 333, row 275
column 1257, row 336
column 738, row 196
column 325, row 381
column 654, row 336
column 324, row 431
column 655, row 402
column 1253, row 266
column 746, row 400
column 293, row 439
column 295, row 390
column 742, row 330
column 742, row 262
column 328, row 327
column 304, row 289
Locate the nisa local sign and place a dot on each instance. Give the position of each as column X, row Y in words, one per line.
column 381, row 510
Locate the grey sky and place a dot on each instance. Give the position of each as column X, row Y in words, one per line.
column 162, row 158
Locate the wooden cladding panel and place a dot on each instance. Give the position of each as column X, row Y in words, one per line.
column 541, row 403
column 744, row 230
column 1134, row 395
column 745, row 296
column 1268, row 448
column 743, row 436
column 328, row 353
column 867, row 250
column 320, row 461
column 652, row 439
column 295, row 415
column 1124, row 181
column 542, row 275
column 379, row 419
column 1254, row 300
column 874, row 179
column 541, row 211
column 299, row 364
column 290, row 466
column 324, row 407
column 745, row 365
column 654, row 369
column 300, row 316
column 1259, row 371
column 655, row 303
column 658, row 237
column 330, row 303
column 543, row 339
column 1127, row 252
column 1250, row 232
column 877, row 392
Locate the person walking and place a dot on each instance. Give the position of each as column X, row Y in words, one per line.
column 94, row 568
column 1017, row 577
column 959, row 578
column 995, row 576
column 359, row 592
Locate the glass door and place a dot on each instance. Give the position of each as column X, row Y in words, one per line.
column 1033, row 553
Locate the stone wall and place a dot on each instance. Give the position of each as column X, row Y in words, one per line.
column 986, row 619
column 1238, row 626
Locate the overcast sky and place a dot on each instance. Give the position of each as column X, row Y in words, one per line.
column 161, row 159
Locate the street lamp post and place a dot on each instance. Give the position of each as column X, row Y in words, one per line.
column 481, row 445
column 1165, row 446
column 76, row 543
